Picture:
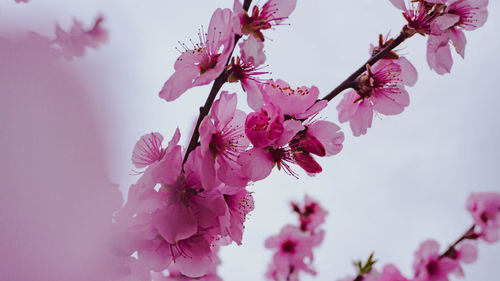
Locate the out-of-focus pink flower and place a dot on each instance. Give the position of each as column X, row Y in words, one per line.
column 429, row 267
column 485, row 210
column 391, row 273
column 205, row 61
column 380, row 89
column 311, row 214
column 273, row 12
column 223, row 139
column 293, row 247
column 22, row 1
column 74, row 42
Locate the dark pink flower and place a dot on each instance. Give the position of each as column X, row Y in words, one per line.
column 485, row 210
column 205, row 61
column 74, row 42
column 381, row 89
column 311, row 214
column 272, row 13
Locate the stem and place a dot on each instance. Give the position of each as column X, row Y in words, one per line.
column 358, row 278
column 205, row 110
column 467, row 235
column 349, row 82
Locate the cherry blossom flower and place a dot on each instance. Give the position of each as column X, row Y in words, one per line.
column 239, row 204
column 205, row 61
column 74, row 42
column 380, row 89
column 311, row 214
column 485, row 209
column 428, row 266
column 272, row 13
column 222, row 139
column 293, row 246
column 448, row 27
column 390, row 273
column 247, row 70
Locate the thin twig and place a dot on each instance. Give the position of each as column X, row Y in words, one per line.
column 348, row 83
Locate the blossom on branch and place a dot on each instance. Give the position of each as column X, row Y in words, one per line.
column 203, row 62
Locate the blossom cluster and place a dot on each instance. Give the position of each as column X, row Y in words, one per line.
column 444, row 21
column 294, row 244
column 431, row 265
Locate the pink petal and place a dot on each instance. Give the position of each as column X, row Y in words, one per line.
column 439, row 54
column 458, row 39
column 256, row 163
column 446, row 21
column 147, row 150
column 220, row 31
column 178, row 83
column 206, row 130
column 223, row 109
column 290, row 129
column 197, row 260
column 400, row 4
column 307, row 162
column 347, row 107
column 255, row 99
column 408, row 74
column 467, row 253
column 252, row 51
column 329, row 135
column 362, row 119
column 391, row 104
column 176, row 222
column 284, row 8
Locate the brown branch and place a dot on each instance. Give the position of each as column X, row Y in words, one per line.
column 205, row 110
column 469, row 234
column 349, row 82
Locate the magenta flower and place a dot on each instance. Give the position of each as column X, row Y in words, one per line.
column 429, row 267
column 485, row 210
column 311, row 214
column 223, row 139
column 294, row 247
column 205, row 61
column 448, row 27
column 380, row 89
column 74, row 42
column 272, row 13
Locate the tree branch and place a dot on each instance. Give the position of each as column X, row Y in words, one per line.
column 348, row 83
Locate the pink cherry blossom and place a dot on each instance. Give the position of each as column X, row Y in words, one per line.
column 22, row 1
column 272, row 13
column 148, row 150
column 74, row 42
column 458, row 15
column 205, row 61
column 293, row 247
column 429, row 267
column 222, row 140
column 418, row 14
column 299, row 103
column 381, row 89
column 391, row 273
column 485, row 210
column 311, row 214
column 239, row 204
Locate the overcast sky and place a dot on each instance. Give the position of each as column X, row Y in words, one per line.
column 407, row 180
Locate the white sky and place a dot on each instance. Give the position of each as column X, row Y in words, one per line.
column 405, row 181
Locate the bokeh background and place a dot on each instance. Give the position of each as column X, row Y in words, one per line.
column 407, row 180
